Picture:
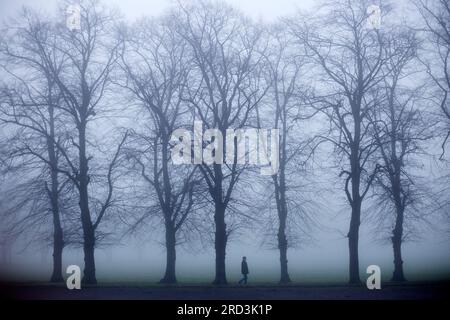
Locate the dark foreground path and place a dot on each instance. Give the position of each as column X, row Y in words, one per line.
column 293, row 292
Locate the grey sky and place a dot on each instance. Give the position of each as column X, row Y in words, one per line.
column 267, row 10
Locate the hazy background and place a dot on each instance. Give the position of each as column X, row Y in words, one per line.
column 324, row 260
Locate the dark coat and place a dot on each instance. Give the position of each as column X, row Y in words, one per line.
column 244, row 267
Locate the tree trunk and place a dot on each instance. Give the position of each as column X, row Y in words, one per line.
column 58, row 246
column 220, row 244
column 89, row 259
column 58, row 236
column 170, row 276
column 397, row 246
column 355, row 220
column 280, row 192
column 353, row 240
column 282, row 245
column 282, row 240
column 86, row 222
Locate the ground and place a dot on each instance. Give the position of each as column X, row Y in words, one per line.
column 389, row 291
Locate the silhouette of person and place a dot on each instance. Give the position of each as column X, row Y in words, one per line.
column 244, row 270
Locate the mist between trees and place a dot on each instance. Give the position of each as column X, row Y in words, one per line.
column 87, row 116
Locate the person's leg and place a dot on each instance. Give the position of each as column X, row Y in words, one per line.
column 245, row 278
column 240, row 281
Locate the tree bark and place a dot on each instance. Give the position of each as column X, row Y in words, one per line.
column 397, row 247
column 282, row 217
column 170, row 276
column 282, row 245
column 397, row 232
column 353, row 233
column 89, row 259
column 58, row 246
column 220, row 244
column 58, row 240
column 355, row 220
column 353, row 240
column 88, row 228
column 58, row 236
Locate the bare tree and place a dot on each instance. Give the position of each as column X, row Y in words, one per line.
column 224, row 90
column 155, row 72
column 285, row 100
column 349, row 56
column 436, row 17
column 82, row 80
column 28, row 112
column 400, row 129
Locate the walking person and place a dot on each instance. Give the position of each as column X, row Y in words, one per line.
column 244, row 270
